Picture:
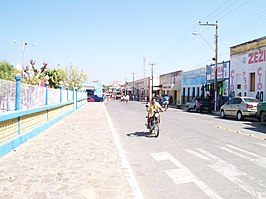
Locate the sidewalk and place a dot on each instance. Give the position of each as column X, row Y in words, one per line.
column 74, row 159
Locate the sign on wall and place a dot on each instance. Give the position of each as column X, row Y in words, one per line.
column 251, row 67
column 222, row 71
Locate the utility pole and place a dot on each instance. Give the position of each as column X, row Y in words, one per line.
column 133, row 86
column 144, row 66
column 125, row 86
column 216, row 61
column 152, row 64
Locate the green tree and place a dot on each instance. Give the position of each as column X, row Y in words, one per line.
column 75, row 77
column 7, row 71
column 56, row 75
column 67, row 77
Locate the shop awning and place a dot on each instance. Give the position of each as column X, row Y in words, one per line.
column 167, row 86
column 218, row 80
column 176, row 87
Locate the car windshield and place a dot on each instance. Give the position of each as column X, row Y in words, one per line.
column 250, row 100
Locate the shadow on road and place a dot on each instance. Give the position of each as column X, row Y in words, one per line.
column 256, row 126
column 141, row 134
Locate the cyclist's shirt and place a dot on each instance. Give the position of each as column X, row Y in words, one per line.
column 165, row 98
column 153, row 108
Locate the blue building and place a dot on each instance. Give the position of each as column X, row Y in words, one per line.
column 192, row 84
column 94, row 89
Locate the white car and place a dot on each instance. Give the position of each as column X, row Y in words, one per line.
column 240, row 107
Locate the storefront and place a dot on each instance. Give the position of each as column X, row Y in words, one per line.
column 223, row 80
column 141, row 89
column 248, row 69
column 171, row 84
column 192, row 83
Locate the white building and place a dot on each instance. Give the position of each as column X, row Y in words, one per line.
column 171, row 85
column 142, row 88
column 248, row 69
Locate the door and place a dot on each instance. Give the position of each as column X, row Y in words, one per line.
column 228, row 107
column 236, row 106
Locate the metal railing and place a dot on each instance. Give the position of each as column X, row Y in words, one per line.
column 19, row 96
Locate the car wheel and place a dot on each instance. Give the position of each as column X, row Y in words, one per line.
column 188, row 109
column 263, row 117
column 223, row 114
column 239, row 115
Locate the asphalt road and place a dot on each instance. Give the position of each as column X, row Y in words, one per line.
column 196, row 155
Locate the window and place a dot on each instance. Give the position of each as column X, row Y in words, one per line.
column 231, row 101
column 237, row 101
column 252, row 82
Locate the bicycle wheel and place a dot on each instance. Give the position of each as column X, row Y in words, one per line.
column 156, row 130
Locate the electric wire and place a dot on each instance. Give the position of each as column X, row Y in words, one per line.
column 187, row 35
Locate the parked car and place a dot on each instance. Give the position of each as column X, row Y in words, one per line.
column 194, row 104
column 240, row 107
column 261, row 112
column 206, row 104
column 90, row 99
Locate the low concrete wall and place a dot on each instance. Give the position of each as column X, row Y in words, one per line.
column 16, row 127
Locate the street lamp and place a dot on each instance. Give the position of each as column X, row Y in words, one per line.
column 24, row 45
column 197, row 33
column 216, row 60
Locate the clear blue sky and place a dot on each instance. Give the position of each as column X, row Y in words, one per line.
column 109, row 38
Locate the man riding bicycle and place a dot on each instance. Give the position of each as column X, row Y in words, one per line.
column 165, row 102
column 151, row 109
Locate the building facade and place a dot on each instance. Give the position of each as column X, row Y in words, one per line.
column 223, row 82
column 170, row 85
column 141, row 89
column 192, row 84
column 248, row 69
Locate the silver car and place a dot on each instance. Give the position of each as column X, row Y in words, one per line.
column 194, row 104
column 240, row 107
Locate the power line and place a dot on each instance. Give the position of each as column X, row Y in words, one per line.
column 234, row 10
column 223, row 10
column 215, row 10
column 183, row 40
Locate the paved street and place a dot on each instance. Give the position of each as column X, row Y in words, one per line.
column 76, row 158
column 195, row 156
column 91, row 154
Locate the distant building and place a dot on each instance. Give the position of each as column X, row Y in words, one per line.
column 170, row 85
column 93, row 88
column 141, row 89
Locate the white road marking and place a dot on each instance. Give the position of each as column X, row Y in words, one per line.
column 260, row 161
column 125, row 164
column 242, row 150
column 183, row 175
column 264, row 145
column 232, row 173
